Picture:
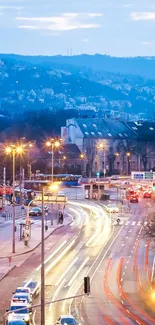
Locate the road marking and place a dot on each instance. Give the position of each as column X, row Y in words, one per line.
column 133, row 223
column 77, row 272
column 127, row 223
column 139, row 223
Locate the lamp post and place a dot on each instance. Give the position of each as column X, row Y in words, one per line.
column 128, row 154
column 101, row 146
column 13, row 149
column 51, row 188
column 53, row 144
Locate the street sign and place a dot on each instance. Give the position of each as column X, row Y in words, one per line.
column 148, row 175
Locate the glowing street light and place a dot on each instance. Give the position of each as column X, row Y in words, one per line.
column 53, row 144
column 102, row 146
column 13, row 149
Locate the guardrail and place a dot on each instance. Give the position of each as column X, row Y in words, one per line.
column 9, row 215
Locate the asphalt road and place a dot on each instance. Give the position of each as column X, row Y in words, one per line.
column 115, row 257
column 118, row 295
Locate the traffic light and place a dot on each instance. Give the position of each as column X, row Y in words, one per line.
column 154, row 187
column 87, row 285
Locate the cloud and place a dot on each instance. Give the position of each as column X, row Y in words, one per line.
column 142, row 15
column 146, row 43
column 64, row 22
column 85, row 40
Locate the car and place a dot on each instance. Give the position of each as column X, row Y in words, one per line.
column 46, row 209
column 21, row 296
column 33, row 286
column 20, row 310
column 61, row 194
column 114, row 177
column 66, row 320
column 147, row 195
column 35, row 212
column 112, row 208
column 22, row 290
column 16, row 322
column 134, row 199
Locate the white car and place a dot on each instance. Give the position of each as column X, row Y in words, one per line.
column 23, row 290
column 66, row 320
column 112, row 208
column 22, row 296
column 23, row 314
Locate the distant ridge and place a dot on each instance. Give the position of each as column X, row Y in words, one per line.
column 141, row 66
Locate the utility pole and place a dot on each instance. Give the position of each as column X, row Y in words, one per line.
column 4, row 188
column 42, row 264
column 13, row 203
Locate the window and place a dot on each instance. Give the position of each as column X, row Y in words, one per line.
column 110, row 135
column 125, row 134
column 152, row 129
column 100, row 133
column 94, row 125
column 86, row 133
column 92, row 133
column 84, row 125
column 120, row 134
column 134, row 128
column 138, row 124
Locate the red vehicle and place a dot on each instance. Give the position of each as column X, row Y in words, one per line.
column 134, row 199
column 147, row 195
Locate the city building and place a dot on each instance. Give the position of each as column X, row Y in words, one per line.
column 112, row 146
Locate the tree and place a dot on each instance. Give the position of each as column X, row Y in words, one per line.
column 111, row 160
column 90, row 150
column 148, row 231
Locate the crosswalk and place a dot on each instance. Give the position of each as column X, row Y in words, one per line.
column 130, row 223
column 35, row 222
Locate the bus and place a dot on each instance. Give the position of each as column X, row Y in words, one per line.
column 66, row 180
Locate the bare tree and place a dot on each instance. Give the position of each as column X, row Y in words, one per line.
column 90, row 151
column 148, row 231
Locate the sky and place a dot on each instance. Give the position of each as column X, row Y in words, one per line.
column 71, row 27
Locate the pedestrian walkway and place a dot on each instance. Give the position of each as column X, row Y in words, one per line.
column 9, row 260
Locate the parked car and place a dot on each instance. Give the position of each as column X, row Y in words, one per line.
column 17, row 322
column 22, row 290
column 22, row 296
column 33, row 286
column 66, row 320
column 35, row 212
column 24, row 314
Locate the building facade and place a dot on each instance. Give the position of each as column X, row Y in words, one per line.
column 111, row 146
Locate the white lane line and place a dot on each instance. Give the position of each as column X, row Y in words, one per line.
column 127, row 223
column 108, row 249
column 56, row 293
column 77, row 272
column 52, row 255
column 64, row 274
column 133, row 223
column 139, row 223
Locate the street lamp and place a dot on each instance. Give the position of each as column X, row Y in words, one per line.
column 128, row 154
column 53, row 144
column 101, row 146
column 13, row 149
column 51, row 188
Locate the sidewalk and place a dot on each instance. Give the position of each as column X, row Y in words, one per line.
column 9, row 211
column 22, row 252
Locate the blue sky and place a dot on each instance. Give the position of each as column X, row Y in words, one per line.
column 49, row 27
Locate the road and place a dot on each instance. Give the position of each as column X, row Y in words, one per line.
column 120, row 283
column 116, row 258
